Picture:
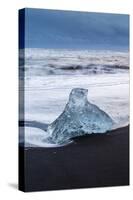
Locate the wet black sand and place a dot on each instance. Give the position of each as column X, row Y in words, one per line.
column 91, row 161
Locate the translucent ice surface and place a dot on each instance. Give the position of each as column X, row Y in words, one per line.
column 79, row 117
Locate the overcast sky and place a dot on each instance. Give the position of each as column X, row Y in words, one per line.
column 68, row 29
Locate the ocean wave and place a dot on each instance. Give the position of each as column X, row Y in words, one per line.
column 40, row 62
column 72, row 69
column 51, row 74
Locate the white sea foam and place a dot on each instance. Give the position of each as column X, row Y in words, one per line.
column 51, row 74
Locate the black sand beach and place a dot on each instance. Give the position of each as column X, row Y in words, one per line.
column 91, row 161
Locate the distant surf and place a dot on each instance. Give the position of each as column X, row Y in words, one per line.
column 51, row 74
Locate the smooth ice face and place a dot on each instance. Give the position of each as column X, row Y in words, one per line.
column 79, row 117
column 78, row 97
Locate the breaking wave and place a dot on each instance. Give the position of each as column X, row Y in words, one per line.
column 60, row 62
column 50, row 75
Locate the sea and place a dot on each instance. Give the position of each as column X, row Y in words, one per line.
column 51, row 74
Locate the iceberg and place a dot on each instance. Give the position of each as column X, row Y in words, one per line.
column 80, row 117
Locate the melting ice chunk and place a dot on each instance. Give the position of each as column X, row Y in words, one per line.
column 79, row 117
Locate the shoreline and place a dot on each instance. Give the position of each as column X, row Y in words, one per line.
column 91, row 161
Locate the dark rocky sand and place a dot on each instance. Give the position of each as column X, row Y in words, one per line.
column 91, row 161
